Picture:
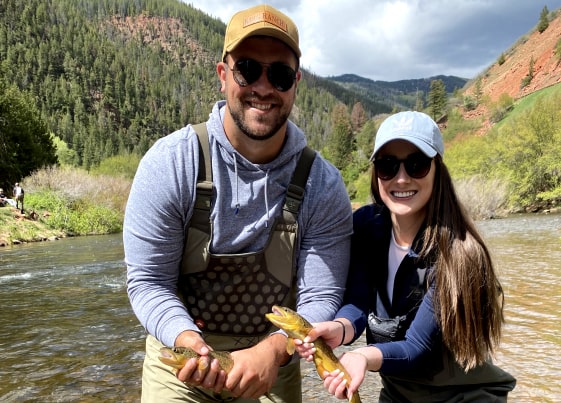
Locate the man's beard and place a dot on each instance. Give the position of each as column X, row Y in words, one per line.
column 241, row 122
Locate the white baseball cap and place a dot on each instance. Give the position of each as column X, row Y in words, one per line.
column 415, row 127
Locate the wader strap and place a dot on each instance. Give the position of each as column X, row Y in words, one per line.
column 294, row 193
column 205, row 170
column 203, row 199
column 297, row 186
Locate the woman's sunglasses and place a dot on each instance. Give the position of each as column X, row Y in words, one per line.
column 248, row 71
column 416, row 165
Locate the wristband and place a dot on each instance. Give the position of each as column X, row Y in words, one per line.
column 342, row 338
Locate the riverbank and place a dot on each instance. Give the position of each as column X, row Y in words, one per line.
column 17, row 228
column 31, row 226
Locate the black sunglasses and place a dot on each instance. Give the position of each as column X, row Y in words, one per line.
column 248, row 71
column 416, row 165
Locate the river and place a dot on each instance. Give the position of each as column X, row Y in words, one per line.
column 68, row 334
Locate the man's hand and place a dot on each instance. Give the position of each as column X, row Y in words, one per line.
column 256, row 368
column 200, row 372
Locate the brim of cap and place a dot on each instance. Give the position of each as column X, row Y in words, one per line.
column 427, row 149
column 265, row 31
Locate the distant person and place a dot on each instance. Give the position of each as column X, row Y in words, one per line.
column 19, row 196
column 421, row 281
column 204, row 264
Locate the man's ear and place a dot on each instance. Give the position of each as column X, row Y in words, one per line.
column 222, row 70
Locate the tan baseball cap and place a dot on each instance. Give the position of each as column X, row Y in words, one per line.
column 261, row 20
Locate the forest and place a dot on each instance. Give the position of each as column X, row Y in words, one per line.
column 110, row 77
column 91, row 84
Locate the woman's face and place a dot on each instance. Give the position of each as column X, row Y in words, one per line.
column 405, row 197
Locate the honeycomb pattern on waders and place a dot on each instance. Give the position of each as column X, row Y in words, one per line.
column 233, row 295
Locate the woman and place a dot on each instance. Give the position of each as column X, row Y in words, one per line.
column 422, row 282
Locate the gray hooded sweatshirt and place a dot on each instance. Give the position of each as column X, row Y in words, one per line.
column 248, row 197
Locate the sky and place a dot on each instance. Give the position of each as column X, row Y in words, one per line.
column 393, row 40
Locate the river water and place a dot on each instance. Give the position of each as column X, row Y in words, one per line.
column 68, row 334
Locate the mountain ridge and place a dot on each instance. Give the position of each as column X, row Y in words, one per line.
column 403, row 93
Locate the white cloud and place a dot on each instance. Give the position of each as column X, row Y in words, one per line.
column 400, row 39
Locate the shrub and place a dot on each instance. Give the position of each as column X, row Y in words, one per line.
column 119, row 165
column 469, row 103
column 74, row 183
column 483, row 197
column 501, row 107
column 76, row 202
column 502, row 59
column 558, row 49
column 525, row 81
column 529, row 148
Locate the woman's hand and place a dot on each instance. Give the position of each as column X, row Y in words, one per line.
column 355, row 366
column 331, row 332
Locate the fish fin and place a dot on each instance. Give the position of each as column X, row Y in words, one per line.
column 171, row 362
column 321, row 371
column 202, row 364
column 320, row 368
column 290, row 346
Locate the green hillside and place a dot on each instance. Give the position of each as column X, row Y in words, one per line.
column 518, row 159
column 110, row 77
column 104, row 79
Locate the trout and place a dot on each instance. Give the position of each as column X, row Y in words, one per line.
column 298, row 328
column 176, row 357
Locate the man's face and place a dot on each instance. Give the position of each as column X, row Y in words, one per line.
column 258, row 109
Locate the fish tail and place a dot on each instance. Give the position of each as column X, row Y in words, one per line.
column 355, row 398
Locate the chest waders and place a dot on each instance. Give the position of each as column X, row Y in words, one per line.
column 228, row 295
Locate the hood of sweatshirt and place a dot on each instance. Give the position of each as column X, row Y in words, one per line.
column 295, row 141
column 248, row 196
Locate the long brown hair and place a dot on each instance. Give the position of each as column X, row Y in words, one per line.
column 468, row 295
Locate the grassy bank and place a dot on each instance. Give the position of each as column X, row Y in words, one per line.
column 65, row 202
column 17, row 228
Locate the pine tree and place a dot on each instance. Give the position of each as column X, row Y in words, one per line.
column 341, row 140
column 358, row 117
column 437, row 98
column 544, row 21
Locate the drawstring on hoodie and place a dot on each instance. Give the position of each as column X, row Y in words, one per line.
column 237, row 209
column 237, row 205
column 267, row 198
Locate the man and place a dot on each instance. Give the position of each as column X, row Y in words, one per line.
column 211, row 290
column 18, row 196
